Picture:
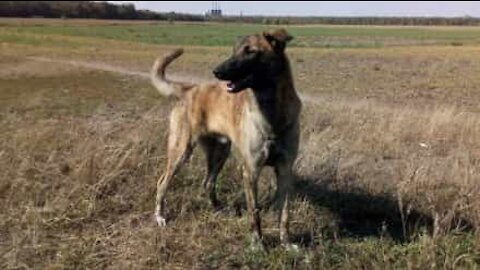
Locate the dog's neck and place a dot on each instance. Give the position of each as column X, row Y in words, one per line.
column 273, row 95
column 265, row 95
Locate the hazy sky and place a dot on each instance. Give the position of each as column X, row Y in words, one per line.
column 322, row 8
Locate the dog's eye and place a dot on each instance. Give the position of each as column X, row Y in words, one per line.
column 248, row 50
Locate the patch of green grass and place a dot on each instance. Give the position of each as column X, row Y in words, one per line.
column 226, row 34
column 78, row 93
column 449, row 252
column 23, row 38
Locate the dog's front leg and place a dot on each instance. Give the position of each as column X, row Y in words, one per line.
column 250, row 181
column 283, row 172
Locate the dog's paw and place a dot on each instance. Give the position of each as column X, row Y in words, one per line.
column 160, row 220
column 256, row 247
column 293, row 248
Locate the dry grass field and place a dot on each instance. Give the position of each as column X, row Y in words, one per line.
column 388, row 173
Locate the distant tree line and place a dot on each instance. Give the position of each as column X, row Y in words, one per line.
column 105, row 10
column 357, row 20
column 86, row 9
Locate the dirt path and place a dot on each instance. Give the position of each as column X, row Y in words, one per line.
column 110, row 68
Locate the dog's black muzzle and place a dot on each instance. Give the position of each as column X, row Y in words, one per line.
column 233, row 71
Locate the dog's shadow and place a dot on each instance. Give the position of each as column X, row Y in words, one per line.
column 356, row 214
column 360, row 214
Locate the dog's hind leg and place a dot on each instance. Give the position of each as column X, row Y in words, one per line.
column 179, row 149
column 216, row 152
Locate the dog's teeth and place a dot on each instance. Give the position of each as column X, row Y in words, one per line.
column 223, row 140
column 230, row 87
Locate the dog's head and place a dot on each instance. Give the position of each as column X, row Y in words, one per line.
column 255, row 58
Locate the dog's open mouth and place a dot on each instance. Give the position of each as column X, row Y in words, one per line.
column 238, row 85
column 230, row 87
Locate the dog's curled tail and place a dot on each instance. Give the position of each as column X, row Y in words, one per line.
column 162, row 84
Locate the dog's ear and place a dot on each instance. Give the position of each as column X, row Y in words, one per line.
column 278, row 38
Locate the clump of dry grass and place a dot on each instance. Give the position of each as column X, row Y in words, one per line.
column 66, row 174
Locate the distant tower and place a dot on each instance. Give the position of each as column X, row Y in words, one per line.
column 216, row 10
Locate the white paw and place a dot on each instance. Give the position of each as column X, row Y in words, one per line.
column 291, row 248
column 256, row 247
column 160, row 220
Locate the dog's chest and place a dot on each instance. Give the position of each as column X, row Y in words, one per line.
column 263, row 141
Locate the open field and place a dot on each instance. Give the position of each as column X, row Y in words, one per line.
column 214, row 34
column 388, row 173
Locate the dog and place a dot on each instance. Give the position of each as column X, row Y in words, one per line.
column 254, row 107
